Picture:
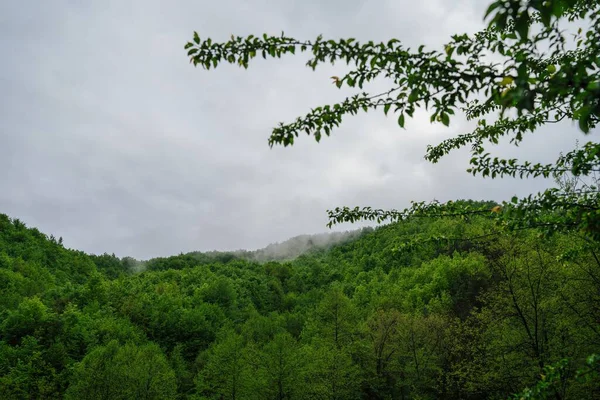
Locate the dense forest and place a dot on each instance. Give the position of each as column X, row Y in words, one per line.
column 467, row 315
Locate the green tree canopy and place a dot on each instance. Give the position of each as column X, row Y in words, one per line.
column 123, row 372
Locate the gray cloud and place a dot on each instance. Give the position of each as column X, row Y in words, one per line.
column 110, row 139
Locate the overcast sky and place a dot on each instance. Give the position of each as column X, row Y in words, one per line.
column 112, row 140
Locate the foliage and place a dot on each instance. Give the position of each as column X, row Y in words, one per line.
column 476, row 317
column 525, row 70
column 123, row 372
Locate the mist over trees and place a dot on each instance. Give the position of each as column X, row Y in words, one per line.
column 294, row 247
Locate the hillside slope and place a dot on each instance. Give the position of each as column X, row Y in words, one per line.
column 369, row 318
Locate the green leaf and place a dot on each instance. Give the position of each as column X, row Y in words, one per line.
column 196, row 38
column 413, row 96
column 491, row 8
column 522, row 25
column 507, row 80
column 595, row 85
column 386, row 108
column 584, row 124
column 401, row 120
column 546, row 17
column 445, row 119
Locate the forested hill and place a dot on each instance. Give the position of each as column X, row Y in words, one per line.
column 472, row 315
